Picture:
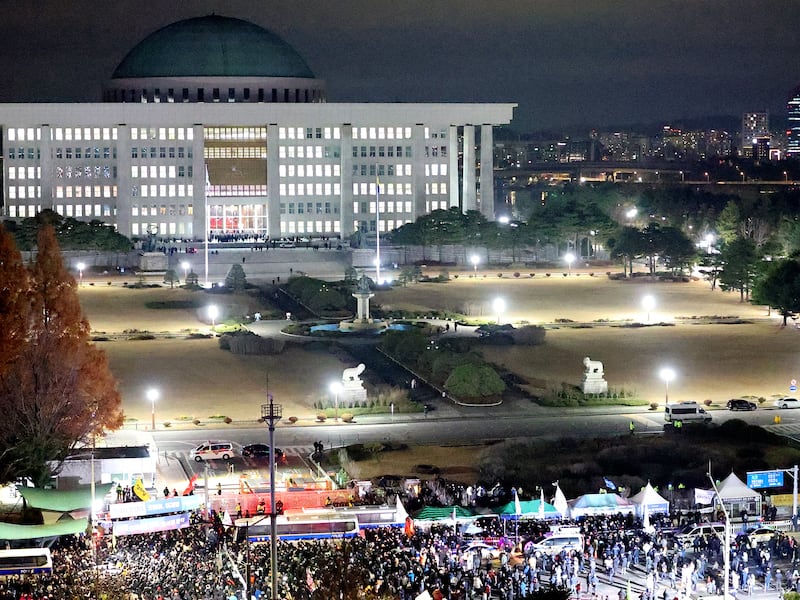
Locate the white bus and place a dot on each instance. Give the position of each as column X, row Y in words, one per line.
column 686, row 412
column 25, row 561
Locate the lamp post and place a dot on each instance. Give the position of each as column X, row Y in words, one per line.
column 270, row 414
column 80, row 266
column 185, row 267
column 709, row 242
column 499, row 306
column 152, row 395
column 785, row 176
column 475, row 260
column 336, row 389
column 667, row 374
column 631, row 213
column 727, row 540
column 569, row 257
column 213, row 313
column 648, row 303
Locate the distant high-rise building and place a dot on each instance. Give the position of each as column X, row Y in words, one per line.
column 793, row 130
column 755, row 125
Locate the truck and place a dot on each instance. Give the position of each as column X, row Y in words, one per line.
column 686, row 412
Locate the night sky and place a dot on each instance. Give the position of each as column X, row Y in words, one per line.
column 593, row 62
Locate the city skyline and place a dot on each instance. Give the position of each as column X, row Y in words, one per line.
column 591, row 64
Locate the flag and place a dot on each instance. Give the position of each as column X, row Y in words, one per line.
column 400, row 513
column 409, row 527
column 609, row 484
column 310, row 580
column 703, row 496
column 455, row 520
column 541, row 505
column 517, row 506
column 140, row 491
column 646, row 521
column 560, row 502
column 226, row 519
column 190, row 487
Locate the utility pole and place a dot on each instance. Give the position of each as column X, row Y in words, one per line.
column 270, row 414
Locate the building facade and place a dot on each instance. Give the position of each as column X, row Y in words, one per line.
column 215, row 124
column 793, row 129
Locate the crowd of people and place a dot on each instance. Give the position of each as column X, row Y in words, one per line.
column 206, row 562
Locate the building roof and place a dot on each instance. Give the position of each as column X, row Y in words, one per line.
column 212, row 46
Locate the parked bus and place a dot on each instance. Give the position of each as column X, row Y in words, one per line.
column 257, row 529
column 25, row 561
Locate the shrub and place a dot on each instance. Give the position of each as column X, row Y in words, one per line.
column 533, row 274
column 196, row 421
column 547, row 274
column 347, row 418
column 564, row 274
column 591, row 274
column 227, row 420
column 707, row 401
column 654, row 406
column 500, row 275
column 455, row 276
column 321, row 417
column 167, row 424
column 529, row 335
column 516, row 274
column 292, row 420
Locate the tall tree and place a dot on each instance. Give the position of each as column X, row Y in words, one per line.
column 780, row 288
column 236, row 278
column 57, row 390
column 740, row 261
column 15, row 300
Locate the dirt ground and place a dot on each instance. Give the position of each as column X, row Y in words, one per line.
column 197, row 379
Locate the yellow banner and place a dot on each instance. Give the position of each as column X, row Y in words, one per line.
column 140, row 491
column 782, row 499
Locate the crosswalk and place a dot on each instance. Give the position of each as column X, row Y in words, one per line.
column 790, row 430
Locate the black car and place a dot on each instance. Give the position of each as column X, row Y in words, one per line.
column 260, row 451
column 741, row 404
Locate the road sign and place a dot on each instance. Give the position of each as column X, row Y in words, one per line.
column 764, row 479
column 792, row 388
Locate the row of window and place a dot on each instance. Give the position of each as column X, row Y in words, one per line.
column 309, row 189
column 308, row 151
column 24, row 211
column 24, row 192
column 163, row 229
column 381, row 133
column 435, row 170
column 199, row 95
column 96, row 152
column 22, row 153
column 86, row 191
column 161, row 171
column 222, row 134
column 300, row 208
column 236, row 191
column 370, row 189
column 235, row 152
column 162, row 191
column 161, row 210
column 292, row 227
column 87, row 172
column 329, row 170
column 163, row 152
column 384, row 207
column 78, row 134
column 162, row 133
column 381, row 151
column 308, row 133
column 84, row 210
column 436, row 151
column 385, row 225
column 381, row 170
column 24, row 172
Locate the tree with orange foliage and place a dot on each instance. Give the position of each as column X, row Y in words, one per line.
column 56, row 388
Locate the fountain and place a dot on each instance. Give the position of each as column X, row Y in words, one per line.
column 363, row 321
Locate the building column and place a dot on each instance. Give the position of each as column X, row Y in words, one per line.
column 346, row 215
column 452, row 164
column 469, row 195
column 273, row 183
column 122, row 205
column 199, row 200
column 47, row 180
column 487, row 172
column 418, row 171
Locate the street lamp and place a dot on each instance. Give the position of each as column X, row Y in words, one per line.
column 336, row 388
column 727, row 545
column 707, row 177
column 475, row 260
column 499, row 307
column 632, row 212
column 213, row 313
column 785, row 176
column 648, row 303
column 185, row 267
column 81, row 266
column 667, row 374
column 569, row 257
column 709, row 242
column 152, row 395
column 270, row 414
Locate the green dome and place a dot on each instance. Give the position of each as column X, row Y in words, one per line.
column 212, row 46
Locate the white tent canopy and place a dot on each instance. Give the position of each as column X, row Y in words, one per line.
column 654, row 502
column 738, row 498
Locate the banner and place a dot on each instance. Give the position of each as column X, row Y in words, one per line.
column 703, row 496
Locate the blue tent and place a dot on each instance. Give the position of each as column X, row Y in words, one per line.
column 600, row 504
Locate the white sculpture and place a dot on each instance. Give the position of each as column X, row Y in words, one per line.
column 352, row 374
column 593, row 381
column 352, row 387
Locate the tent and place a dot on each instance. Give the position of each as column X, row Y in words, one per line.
column 648, row 497
column 443, row 513
column 529, row 509
column 600, row 504
column 738, row 498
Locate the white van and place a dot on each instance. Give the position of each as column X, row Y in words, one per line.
column 686, row 411
column 555, row 543
column 690, row 533
column 212, row 451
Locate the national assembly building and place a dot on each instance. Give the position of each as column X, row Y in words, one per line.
column 216, row 124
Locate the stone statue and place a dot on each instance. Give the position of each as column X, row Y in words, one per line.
column 363, row 285
column 352, row 374
column 593, row 381
column 353, row 389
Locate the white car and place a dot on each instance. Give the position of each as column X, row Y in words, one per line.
column 787, row 403
column 762, row 535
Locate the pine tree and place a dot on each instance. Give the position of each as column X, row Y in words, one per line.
column 57, row 388
column 236, row 279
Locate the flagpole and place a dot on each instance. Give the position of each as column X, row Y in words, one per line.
column 378, row 230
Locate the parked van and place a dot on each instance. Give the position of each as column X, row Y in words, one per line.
column 557, row 542
column 690, row 533
column 686, row 412
column 213, row 451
